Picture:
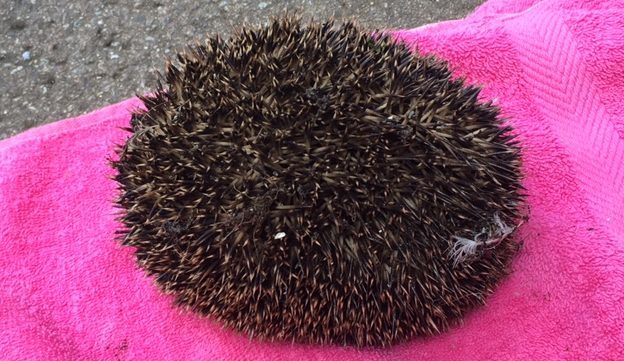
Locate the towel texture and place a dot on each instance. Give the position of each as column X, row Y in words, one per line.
column 69, row 292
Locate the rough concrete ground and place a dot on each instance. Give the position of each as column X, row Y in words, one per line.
column 65, row 57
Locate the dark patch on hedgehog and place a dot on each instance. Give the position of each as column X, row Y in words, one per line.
column 318, row 184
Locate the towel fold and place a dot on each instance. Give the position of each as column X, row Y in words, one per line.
column 68, row 291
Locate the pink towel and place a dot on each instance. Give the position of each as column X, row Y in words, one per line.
column 556, row 68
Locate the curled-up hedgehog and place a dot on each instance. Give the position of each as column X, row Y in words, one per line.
column 317, row 183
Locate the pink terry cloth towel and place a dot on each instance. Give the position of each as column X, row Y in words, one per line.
column 68, row 291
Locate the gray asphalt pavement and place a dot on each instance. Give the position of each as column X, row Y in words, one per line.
column 63, row 58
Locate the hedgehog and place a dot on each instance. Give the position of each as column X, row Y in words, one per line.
column 320, row 184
